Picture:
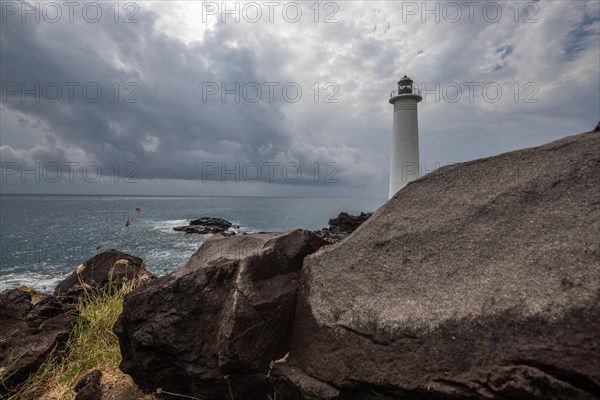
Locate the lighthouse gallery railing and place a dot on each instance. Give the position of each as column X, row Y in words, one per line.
column 415, row 90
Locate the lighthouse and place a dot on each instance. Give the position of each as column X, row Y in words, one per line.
column 404, row 165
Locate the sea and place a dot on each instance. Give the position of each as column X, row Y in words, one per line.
column 44, row 237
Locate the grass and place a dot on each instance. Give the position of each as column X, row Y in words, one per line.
column 91, row 344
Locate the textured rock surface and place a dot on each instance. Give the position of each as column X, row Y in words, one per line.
column 227, row 312
column 479, row 280
column 108, row 266
column 31, row 325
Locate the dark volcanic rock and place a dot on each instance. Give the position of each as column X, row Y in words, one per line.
column 341, row 226
column 479, row 280
column 198, row 229
column 32, row 324
column 206, row 225
column 210, row 221
column 109, row 266
column 346, row 223
column 88, row 387
column 227, row 312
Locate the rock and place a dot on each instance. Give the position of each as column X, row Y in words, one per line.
column 106, row 267
column 341, row 226
column 481, row 280
column 226, row 313
column 597, row 128
column 205, row 226
column 346, row 223
column 200, row 230
column 89, row 392
column 210, row 221
column 88, row 387
column 32, row 325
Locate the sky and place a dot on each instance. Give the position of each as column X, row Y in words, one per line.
column 280, row 98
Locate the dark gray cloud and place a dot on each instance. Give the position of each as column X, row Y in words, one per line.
column 168, row 78
column 168, row 57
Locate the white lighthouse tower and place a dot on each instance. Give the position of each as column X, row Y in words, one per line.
column 404, row 165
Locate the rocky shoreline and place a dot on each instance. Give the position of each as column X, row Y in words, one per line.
column 339, row 227
column 24, row 310
column 480, row 280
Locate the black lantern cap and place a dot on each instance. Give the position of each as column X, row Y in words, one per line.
column 405, row 85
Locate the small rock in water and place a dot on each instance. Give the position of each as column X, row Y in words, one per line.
column 205, row 226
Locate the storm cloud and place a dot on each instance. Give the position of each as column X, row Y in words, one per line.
column 163, row 73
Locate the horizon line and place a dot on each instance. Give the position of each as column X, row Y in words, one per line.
column 183, row 195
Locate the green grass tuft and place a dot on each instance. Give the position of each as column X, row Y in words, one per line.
column 91, row 344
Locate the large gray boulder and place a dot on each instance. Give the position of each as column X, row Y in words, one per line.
column 216, row 324
column 479, row 280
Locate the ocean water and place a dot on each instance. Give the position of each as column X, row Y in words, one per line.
column 44, row 237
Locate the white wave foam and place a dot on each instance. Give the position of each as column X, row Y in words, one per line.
column 42, row 282
column 168, row 225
